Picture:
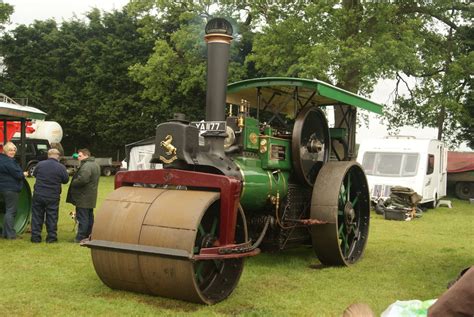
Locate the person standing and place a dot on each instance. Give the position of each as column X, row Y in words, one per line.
column 50, row 174
column 11, row 183
column 82, row 193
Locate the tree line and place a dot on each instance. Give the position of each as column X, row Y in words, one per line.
column 111, row 77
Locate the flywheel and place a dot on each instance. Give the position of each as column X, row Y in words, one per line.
column 310, row 144
column 174, row 222
column 340, row 199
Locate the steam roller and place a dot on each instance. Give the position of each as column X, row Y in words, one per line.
column 263, row 172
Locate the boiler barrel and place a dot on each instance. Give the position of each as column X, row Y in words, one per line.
column 259, row 185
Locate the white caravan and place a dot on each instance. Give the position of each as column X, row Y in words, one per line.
column 405, row 161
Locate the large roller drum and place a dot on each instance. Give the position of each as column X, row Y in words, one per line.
column 158, row 231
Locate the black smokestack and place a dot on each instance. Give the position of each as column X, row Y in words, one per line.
column 218, row 38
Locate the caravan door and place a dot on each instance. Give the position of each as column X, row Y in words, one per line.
column 443, row 173
column 430, row 181
column 435, row 178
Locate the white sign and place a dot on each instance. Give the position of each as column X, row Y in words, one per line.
column 212, row 126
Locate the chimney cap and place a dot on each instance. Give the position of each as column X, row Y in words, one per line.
column 180, row 117
column 219, row 26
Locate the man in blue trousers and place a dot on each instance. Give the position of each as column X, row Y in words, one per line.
column 50, row 174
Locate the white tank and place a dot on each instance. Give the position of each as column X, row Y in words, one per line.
column 50, row 130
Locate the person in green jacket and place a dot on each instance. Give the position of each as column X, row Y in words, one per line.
column 82, row 193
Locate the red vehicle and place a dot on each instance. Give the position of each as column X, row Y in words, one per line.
column 461, row 173
column 12, row 128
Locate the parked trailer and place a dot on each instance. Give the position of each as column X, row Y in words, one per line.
column 405, row 161
column 461, row 173
column 107, row 166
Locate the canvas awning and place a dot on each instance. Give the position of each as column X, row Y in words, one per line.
column 278, row 94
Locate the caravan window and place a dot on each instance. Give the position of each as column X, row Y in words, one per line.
column 411, row 163
column 368, row 162
column 430, row 168
column 390, row 164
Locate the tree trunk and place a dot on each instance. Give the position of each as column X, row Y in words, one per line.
column 346, row 116
column 441, row 117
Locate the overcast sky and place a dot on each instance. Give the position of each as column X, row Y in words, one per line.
column 26, row 11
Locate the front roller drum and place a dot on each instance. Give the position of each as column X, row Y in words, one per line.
column 341, row 201
column 177, row 223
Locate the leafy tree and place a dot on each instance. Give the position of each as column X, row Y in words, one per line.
column 5, row 11
column 78, row 74
column 352, row 44
column 175, row 74
column 442, row 96
column 467, row 130
column 111, row 80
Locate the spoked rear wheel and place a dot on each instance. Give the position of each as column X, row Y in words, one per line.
column 340, row 198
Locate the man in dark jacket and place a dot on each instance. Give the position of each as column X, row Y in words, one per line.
column 11, row 183
column 83, row 193
column 50, row 174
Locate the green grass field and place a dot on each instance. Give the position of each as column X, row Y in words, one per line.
column 403, row 261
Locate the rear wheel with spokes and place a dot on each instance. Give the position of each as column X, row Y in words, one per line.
column 341, row 199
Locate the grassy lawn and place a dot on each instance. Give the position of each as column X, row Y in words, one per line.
column 403, row 261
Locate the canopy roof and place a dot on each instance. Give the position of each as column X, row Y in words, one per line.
column 10, row 110
column 278, row 94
